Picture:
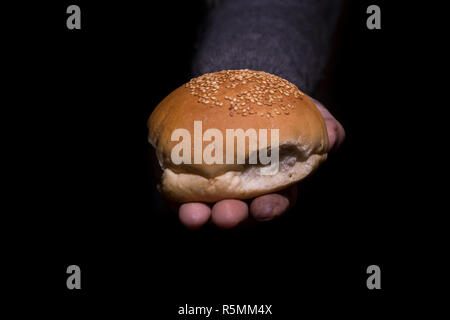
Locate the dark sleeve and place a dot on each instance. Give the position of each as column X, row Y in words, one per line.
column 289, row 38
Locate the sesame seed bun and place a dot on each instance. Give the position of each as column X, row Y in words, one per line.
column 237, row 99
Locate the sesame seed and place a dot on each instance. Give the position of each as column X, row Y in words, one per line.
column 210, row 88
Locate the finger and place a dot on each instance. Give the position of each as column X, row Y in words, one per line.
column 194, row 215
column 271, row 206
column 336, row 132
column 227, row 214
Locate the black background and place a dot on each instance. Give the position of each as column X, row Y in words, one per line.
column 86, row 195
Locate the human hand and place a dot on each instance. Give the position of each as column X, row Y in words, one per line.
column 229, row 213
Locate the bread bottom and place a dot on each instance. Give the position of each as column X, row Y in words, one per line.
column 246, row 184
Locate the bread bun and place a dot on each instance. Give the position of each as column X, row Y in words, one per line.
column 237, row 99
